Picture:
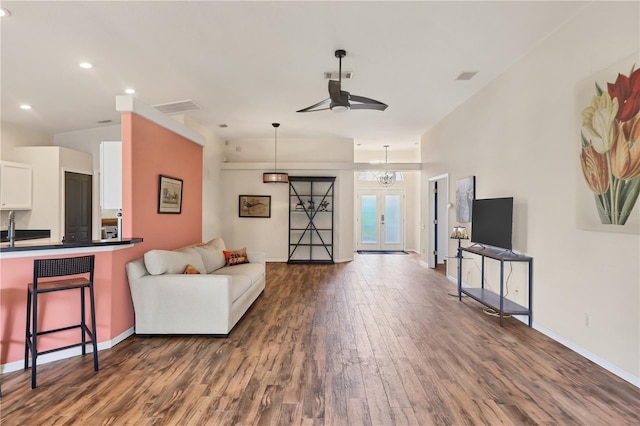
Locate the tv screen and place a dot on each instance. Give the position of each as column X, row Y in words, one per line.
column 491, row 222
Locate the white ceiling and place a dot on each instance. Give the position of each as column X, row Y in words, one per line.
column 248, row 64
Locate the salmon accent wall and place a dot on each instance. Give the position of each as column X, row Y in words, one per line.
column 149, row 151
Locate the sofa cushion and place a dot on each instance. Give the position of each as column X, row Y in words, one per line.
column 254, row 271
column 236, row 257
column 160, row 262
column 212, row 255
column 239, row 285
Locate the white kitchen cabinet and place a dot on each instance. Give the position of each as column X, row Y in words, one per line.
column 111, row 175
column 15, row 186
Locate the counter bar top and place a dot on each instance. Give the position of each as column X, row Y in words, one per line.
column 24, row 248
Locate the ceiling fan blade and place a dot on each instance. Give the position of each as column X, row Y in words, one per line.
column 377, row 107
column 311, row 108
column 367, row 103
column 334, row 91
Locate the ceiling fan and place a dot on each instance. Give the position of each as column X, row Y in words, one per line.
column 340, row 100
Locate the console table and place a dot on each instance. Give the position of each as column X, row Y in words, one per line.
column 487, row 297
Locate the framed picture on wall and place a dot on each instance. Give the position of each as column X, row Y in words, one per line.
column 465, row 194
column 254, row 206
column 170, row 195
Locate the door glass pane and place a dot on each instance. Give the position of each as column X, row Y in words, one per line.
column 392, row 219
column 369, row 214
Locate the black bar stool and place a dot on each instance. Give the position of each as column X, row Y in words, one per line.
column 74, row 269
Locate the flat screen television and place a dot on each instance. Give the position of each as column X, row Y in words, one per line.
column 492, row 222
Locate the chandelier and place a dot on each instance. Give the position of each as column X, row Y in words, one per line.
column 386, row 178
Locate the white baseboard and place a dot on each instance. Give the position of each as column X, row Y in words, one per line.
column 624, row 375
column 67, row 353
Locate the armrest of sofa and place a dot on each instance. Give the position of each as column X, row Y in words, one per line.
column 256, row 257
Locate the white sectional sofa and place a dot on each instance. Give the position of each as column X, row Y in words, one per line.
column 210, row 301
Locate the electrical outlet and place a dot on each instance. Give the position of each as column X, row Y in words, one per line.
column 587, row 320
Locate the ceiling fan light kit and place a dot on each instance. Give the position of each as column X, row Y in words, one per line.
column 275, row 176
column 340, row 100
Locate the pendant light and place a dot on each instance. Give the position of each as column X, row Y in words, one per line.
column 387, row 178
column 275, row 176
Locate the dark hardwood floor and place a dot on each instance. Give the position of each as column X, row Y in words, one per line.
column 374, row 341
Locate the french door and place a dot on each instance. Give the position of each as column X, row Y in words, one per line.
column 381, row 219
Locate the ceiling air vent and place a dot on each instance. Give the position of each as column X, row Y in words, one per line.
column 176, row 107
column 466, row 75
column 333, row 75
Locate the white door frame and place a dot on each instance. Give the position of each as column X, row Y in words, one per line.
column 443, row 219
column 403, row 219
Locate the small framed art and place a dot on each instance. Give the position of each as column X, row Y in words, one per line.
column 254, row 206
column 170, row 195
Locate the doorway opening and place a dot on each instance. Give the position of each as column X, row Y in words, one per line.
column 438, row 221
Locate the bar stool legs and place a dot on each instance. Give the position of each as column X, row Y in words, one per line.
column 69, row 268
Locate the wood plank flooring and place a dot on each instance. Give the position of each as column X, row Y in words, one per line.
column 376, row 341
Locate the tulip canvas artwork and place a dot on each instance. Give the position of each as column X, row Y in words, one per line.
column 609, row 157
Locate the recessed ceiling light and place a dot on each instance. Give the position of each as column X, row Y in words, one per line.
column 4, row 12
column 129, row 91
column 25, row 106
column 85, row 65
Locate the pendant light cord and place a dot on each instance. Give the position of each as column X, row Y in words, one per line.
column 275, row 149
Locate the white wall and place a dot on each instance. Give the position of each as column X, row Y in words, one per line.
column 270, row 235
column 13, row 135
column 212, row 184
column 519, row 137
column 289, row 150
column 88, row 140
column 394, row 155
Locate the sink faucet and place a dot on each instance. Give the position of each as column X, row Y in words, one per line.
column 11, row 229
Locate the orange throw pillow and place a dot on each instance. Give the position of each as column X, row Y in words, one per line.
column 236, row 257
column 190, row 269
